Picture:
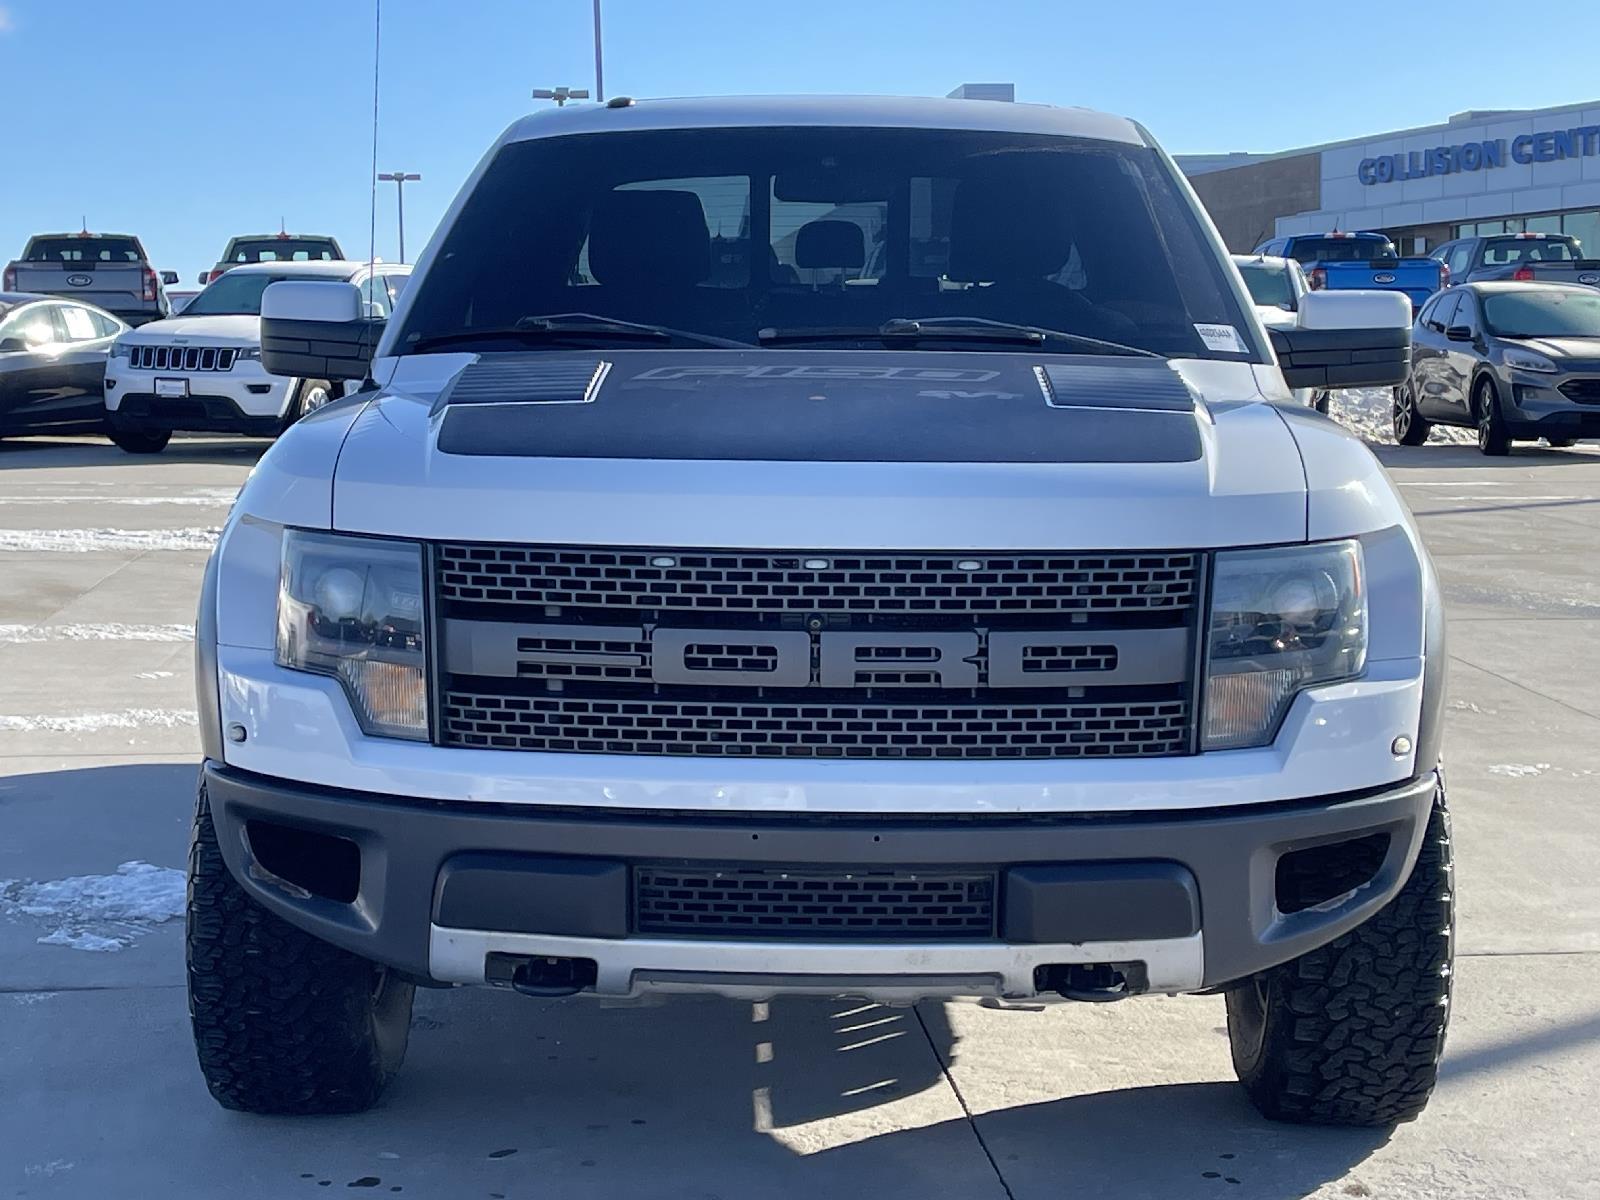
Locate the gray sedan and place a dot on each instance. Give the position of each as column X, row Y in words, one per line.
column 1512, row 360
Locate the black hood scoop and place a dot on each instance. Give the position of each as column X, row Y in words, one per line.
column 809, row 406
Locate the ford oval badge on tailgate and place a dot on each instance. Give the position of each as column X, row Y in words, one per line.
column 1383, row 277
column 79, row 280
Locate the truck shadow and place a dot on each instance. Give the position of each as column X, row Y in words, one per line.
column 1523, row 455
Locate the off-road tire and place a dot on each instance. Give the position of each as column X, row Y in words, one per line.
column 1411, row 428
column 1352, row 1033
column 140, row 441
column 283, row 1023
column 1493, row 438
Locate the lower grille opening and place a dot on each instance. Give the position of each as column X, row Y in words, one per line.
column 321, row 863
column 772, row 903
column 1307, row 878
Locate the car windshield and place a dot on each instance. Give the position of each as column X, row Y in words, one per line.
column 727, row 233
column 276, row 249
column 1537, row 313
column 1351, row 249
column 1520, row 250
column 1269, row 283
column 238, row 293
column 84, row 249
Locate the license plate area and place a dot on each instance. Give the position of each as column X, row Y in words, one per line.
column 172, row 389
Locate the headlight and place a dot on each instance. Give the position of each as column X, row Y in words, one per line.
column 1281, row 621
column 121, row 349
column 248, row 352
column 1527, row 360
column 351, row 607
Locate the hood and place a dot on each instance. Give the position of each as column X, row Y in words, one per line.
column 225, row 330
column 821, row 449
column 1585, row 349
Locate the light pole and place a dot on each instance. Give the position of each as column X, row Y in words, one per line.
column 400, row 179
column 599, row 74
column 561, row 94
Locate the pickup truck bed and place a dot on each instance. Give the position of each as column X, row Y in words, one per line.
column 107, row 270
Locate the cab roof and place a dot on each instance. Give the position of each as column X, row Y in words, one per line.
column 333, row 269
column 717, row 112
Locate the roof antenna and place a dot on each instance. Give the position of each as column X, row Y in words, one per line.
column 83, row 225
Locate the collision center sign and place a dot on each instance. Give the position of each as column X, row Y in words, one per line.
column 1551, row 146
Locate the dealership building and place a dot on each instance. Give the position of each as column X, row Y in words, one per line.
column 1525, row 170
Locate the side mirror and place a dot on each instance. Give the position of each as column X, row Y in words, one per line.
column 315, row 330
column 11, row 345
column 169, row 278
column 202, row 277
column 1346, row 339
column 1459, row 333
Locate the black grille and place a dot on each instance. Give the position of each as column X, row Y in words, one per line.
column 1584, row 391
column 181, row 358
column 773, row 903
column 772, row 581
column 764, row 728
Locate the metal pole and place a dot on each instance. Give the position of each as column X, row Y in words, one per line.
column 599, row 73
column 400, row 201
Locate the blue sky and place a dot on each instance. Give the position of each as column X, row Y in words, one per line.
column 188, row 121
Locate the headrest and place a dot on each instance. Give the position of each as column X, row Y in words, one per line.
column 1007, row 229
column 649, row 238
column 824, row 244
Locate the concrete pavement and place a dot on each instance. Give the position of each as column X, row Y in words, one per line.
column 503, row 1096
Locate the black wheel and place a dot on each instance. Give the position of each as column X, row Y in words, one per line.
column 1410, row 427
column 1352, row 1033
column 1493, row 439
column 309, row 395
column 283, row 1023
column 140, row 441
column 1561, row 443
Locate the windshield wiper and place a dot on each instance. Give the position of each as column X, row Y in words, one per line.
column 558, row 327
column 955, row 329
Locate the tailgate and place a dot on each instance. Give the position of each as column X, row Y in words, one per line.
column 1393, row 275
column 117, row 286
column 1583, row 270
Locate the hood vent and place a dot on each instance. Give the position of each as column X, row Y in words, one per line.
column 526, row 379
column 1152, row 388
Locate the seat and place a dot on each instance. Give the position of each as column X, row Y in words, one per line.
column 646, row 240
column 1011, row 232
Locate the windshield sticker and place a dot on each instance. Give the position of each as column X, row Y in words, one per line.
column 1221, row 337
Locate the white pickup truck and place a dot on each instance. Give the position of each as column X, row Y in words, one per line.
column 678, row 607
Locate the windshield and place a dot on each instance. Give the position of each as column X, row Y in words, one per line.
column 1269, row 283
column 276, row 249
column 1519, row 250
column 238, row 293
column 84, row 249
column 1533, row 313
column 1351, row 249
column 730, row 232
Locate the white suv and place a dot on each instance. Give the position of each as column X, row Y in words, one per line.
column 202, row 370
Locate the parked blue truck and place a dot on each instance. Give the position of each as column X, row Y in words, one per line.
column 1338, row 261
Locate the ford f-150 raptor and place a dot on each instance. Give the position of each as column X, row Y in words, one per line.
column 677, row 608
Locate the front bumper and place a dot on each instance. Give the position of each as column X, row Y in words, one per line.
column 1539, row 409
column 435, row 888
column 244, row 399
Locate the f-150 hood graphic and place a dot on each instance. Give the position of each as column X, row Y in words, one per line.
column 773, row 407
column 822, row 449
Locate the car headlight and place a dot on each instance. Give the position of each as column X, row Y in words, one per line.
column 121, row 349
column 351, row 607
column 1281, row 621
column 248, row 352
column 1527, row 360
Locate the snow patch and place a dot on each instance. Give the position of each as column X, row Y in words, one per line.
column 1519, row 770
column 30, row 998
column 154, row 675
column 100, row 913
column 48, row 1169
column 127, row 718
column 1368, row 413
column 109, row 631
column 206, row 498
column 87, row 541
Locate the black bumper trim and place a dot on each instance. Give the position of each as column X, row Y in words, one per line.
column 1230, row 854
column 196, row 413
